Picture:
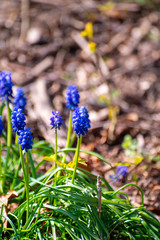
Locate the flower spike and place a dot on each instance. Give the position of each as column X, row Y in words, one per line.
column 18, row 120
column 121, row 173
column 72, row 97
column 20, row 100
column 56, row 120
column 81, row 122
column 25, row 139
column 6, row 86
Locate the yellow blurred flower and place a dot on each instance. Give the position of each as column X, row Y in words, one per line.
column 88, row 31
column 64, row 165
column 92, row 46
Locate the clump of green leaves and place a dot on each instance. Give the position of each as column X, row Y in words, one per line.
column 130, row 146
column 131, row 149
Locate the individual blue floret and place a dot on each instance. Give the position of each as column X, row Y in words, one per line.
column 20, row 100
column 25, row 139
column 6, row 86
column 1, row 125
column 18, row 120
column 72, row 97
column 80, row 120
column 56, row 120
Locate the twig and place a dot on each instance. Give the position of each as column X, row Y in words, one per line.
column 25, row 21
column 96, row 58
column 99, row 189
column 115, row 227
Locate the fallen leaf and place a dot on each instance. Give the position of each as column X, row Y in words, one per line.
column 3, row 204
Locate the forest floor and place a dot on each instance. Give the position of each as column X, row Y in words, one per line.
column 124, row 68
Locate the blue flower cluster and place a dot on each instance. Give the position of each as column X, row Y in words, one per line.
column 72, row 97
column 6, row 86
column 56, row 120
column 80, row 120
column 1, row 125
column 20, row 100
column 17, row 116
column 18, row 120
column 25, row 139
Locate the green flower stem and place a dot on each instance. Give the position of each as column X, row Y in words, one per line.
column 16, row 140
column 9, row 141
column 5, row 167
column 14, row 160
column 16, row 148
column 1, row 186
column 76, row 158
column 9, row 127
column 27, row 184
column 26, row 177
column 68, row 142
column 22, row 162
column 72, row 139
column 55, row 148
column 69, row 135
column 55, row 166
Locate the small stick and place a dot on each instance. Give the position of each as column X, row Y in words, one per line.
column 25, row 19
column 99, row 189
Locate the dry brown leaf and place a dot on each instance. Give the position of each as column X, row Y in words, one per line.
column 157, row 187
column 133, row 117
column 4, row 202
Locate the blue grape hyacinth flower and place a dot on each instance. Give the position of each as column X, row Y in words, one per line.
column 18, row 120
column 56, row 120
column 25, row 139
column 20, row 100
column 6, row 85
column 121, row 173
column 1, row 125
column 72, row 97
column 80, row 120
